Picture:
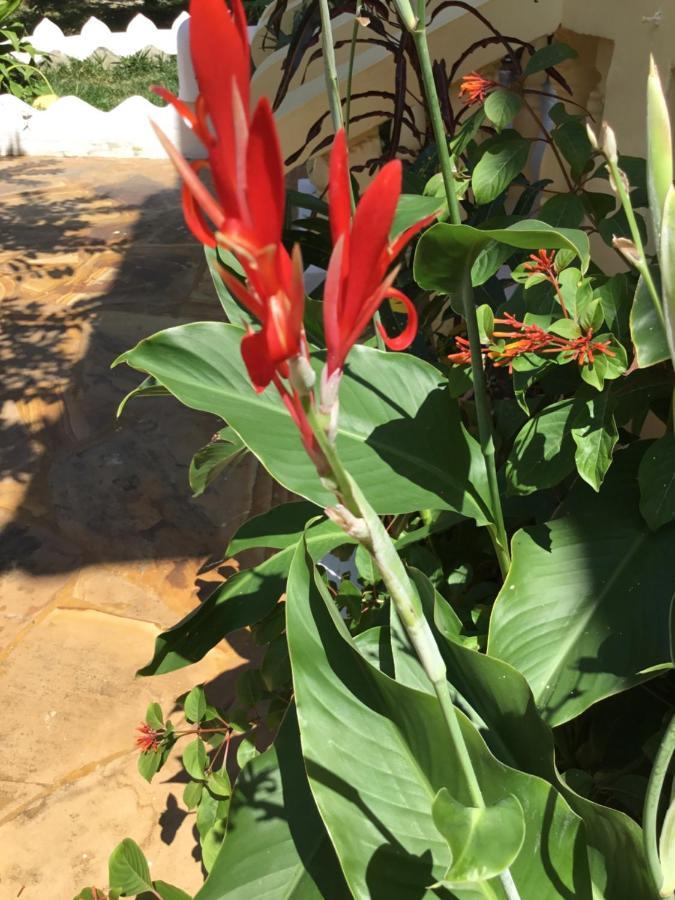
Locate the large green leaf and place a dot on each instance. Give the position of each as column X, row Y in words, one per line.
column 595, row 434
column 646, row 328
column 657, row 482
column 445, row 251
column 212, row 460
column 484, row 841
column 503, row 159
column 400, row 432
column 275, row 529
column 502, row 106
column 543, row 451
column 128, row 870
column 499, row 700
column 585, row 607
column 667, row 259
column 276, row 845
column 550, row 55
column 411, row 208
column 243, row 599
column 375, row 803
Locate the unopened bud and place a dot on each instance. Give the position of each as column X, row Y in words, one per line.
column 301, row 375
column 608, row 141
column 627, row 249
column 591, row 137
column 406, row 15
column 364, row 21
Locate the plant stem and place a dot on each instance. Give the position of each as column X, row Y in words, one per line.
column 551, row 143
column 330, row 67
column 641, row 265
column 497, row 529
column 350, row 70
column 652, row 798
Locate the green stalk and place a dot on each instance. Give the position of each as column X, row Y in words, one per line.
column 483, row 412
column 330, row 67
column 641, row 263
column 379, row 544
column 361, row 521
column 350, row 69
column 651, row 807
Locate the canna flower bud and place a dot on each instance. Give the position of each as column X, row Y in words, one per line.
column 627, row 249
column 592, row 137
column 608, row 141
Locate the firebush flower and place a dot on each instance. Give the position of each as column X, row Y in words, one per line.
column 541, row 263
column 522, row 338
column 148, row 738
column 246, row 214
column 474, row 88
column 358, row 280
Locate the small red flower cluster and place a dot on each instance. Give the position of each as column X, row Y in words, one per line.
column 542, row 263
column 525, row 338
column 474, row 88
column 148, row 738
column 246, row 216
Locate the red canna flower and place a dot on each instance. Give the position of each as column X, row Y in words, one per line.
column 244, row 159
column 148, row 739
column 474, row 88
column 357, row 280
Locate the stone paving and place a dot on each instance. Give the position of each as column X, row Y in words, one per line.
column 101, row 544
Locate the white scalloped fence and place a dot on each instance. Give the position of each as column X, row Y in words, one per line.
column 141, row 34
column 72, row 127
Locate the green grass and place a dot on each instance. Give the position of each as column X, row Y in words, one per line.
column 106, row 84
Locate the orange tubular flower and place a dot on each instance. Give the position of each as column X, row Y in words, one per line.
column 357, row 281
column 542, row 263
column 148, row 739
column 474, row 88
column 246, row 214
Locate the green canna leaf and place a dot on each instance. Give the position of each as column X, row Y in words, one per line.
column 659, row 149
column 667, row 258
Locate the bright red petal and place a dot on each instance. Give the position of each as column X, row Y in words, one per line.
column 247, row 299
column 332, row 297
column 370, row 237
column 221, row 60
column 402, row 240
column 265, row 193
column 189, row 175
column 407, row 336
column 339, row 196
column 258, row 364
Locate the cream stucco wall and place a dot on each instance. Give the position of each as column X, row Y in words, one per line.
column 613, row 37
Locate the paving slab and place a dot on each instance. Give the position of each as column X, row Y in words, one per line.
column 101, row 544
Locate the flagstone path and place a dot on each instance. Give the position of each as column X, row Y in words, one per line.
column 101, row 543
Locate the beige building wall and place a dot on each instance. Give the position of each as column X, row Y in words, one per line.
column 614, row 39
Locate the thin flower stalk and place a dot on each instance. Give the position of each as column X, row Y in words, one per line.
column 543, row 263
column 497, row 530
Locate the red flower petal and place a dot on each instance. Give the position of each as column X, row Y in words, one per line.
column 219, row 49
column 189, row 175
column 370, row 237
column 406, row 236
column 332, row 295
column 407, row 336
column 256, row 359
column 339, row 195
column 265, row 190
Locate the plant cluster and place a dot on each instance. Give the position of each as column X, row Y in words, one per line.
column 22, row 79
column 466, row 687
